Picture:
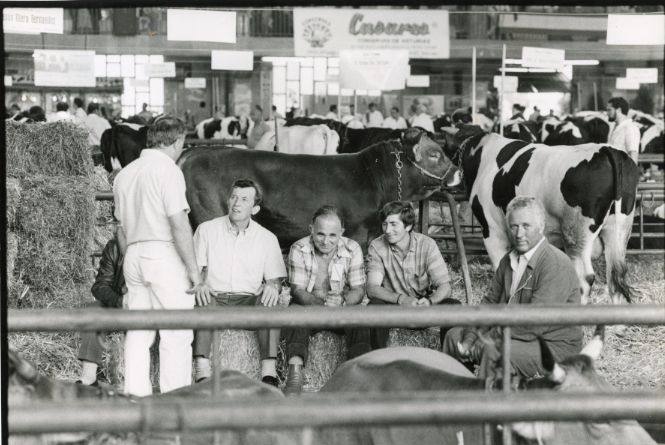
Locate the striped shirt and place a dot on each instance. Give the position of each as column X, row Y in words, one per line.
column 414, row 275
column 346, row 268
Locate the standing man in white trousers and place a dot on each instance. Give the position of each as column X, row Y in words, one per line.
column 160, row 267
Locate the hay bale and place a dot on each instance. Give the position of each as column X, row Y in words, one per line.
column 49, row 148
column 12, row 252
column 55, row 224
column 239, row 350
column 326, row 352
column 424, row 338
column 13, row 200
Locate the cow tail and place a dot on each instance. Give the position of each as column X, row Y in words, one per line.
column 615, row 234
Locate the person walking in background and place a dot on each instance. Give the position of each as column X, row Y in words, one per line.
column 160, row 266
column 332, row 114
column 373, row 117
column 625, row 135
column 145, row 114
column 79, row 111
column 61, row 113
column 394, row 121
column 95, row 124
column 259, row 129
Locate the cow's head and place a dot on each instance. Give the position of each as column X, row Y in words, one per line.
column 577, row 373
column 427, row 156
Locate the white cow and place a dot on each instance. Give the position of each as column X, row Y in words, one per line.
column 301, row 139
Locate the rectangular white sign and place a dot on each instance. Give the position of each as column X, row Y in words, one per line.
column 643, row 75
column 201, row 25
column 324, row 32
column 375, row 70
column 509, row 83
column 8, row 81
column 232, row 60
column 417, row 81
column 542, row 57
column 33, row 20
column 165, row 69
column 195, row 82
column 636, row 29
column 627, row 84
column 64, row 68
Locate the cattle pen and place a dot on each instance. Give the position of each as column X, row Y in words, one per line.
column 312, row 411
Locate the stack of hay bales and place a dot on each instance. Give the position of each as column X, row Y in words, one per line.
column 51, row 214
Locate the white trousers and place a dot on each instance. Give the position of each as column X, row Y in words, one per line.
column 156, row 278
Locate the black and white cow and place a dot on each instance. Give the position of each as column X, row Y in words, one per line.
column 576, row 185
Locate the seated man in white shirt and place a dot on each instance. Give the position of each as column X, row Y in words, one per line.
column 332, row 114
column 61, row 113
column 394, row 121
column 374, row 116
column 242, row 266
column 95, row 124
column 422, row 119
column 625, row 135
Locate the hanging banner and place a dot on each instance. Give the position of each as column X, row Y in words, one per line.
column 642, row 75
column 375, row 70
column 636, row 29
column 195, row 82
column 627, row 84
column 535, row 57
column 324, row 32
column 165, row 69
column 33, row 20
column 509, row 83
column 64, row 68
column 201, row 25
column 232, row 60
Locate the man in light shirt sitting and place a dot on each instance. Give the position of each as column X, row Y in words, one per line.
column 374, row 116
column 534, row 272
column 625, row 135
column 242, row 265
column 61, row 113
column 394, row 121
column 422, row 119
column 95, row 124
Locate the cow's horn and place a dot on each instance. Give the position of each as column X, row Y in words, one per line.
column 593, row 348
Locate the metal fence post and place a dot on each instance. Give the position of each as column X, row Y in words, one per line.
column 507, row 432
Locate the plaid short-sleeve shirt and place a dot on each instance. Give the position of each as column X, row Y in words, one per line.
column 346, row 267
column 422, row 269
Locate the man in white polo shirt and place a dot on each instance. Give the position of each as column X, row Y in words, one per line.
column 160, row 265
column 625, row 135
column 242, row 266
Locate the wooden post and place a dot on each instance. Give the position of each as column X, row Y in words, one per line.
column 507, row 431
column 579, row 96
column 473, row 87
column 276, row 136
column 595, row 96
column 503, row 76
column 461, row 251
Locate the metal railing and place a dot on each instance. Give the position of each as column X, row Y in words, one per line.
column 337, row 409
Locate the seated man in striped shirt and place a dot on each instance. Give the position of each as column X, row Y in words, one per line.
column 325, row 269
column 404, row 267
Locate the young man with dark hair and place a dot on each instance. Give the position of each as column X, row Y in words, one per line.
column 61, row 113
column 332, row 114
column 160, row 266
column 374, row 117
column 625, row 135
column 394, row 121
column 404, row 267
column 325, row 269
column 260, row 127
column 95, row 124
column 79, row 110
column 242, row 265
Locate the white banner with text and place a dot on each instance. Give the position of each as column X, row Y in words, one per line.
column 64, row 68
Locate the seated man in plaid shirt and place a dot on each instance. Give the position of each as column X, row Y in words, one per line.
column 325, row 269
column 404, row 267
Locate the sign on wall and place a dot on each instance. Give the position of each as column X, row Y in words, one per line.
column 195, row 82
column 509, row 83
column 232, row 60
column 324, row 32
column 33, row 20
column 642, row 75
column 373, row 69
column 64, row 68
column 623, row 83
column 535, row 57
column 636, row 29
column 164, row 69
column 201, row 25
column 417, row 81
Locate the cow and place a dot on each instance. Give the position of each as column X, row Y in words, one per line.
column 588, row 192
column 576, row 131
column 651, row 133
column 383, row 371
column 521, row 130
column 299, row 139
column 351, row 140
column 294, row 186
column 121, row 144
column 212, row 128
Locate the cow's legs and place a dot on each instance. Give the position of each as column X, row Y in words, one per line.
column 578, row 242
column 497, row 245
column 615, row 234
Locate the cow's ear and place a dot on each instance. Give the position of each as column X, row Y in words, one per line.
column 417, row 152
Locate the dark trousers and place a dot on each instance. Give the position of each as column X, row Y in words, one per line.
column 379, row 336
column 91, row 350
column 203, row 338
column 297, row 340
